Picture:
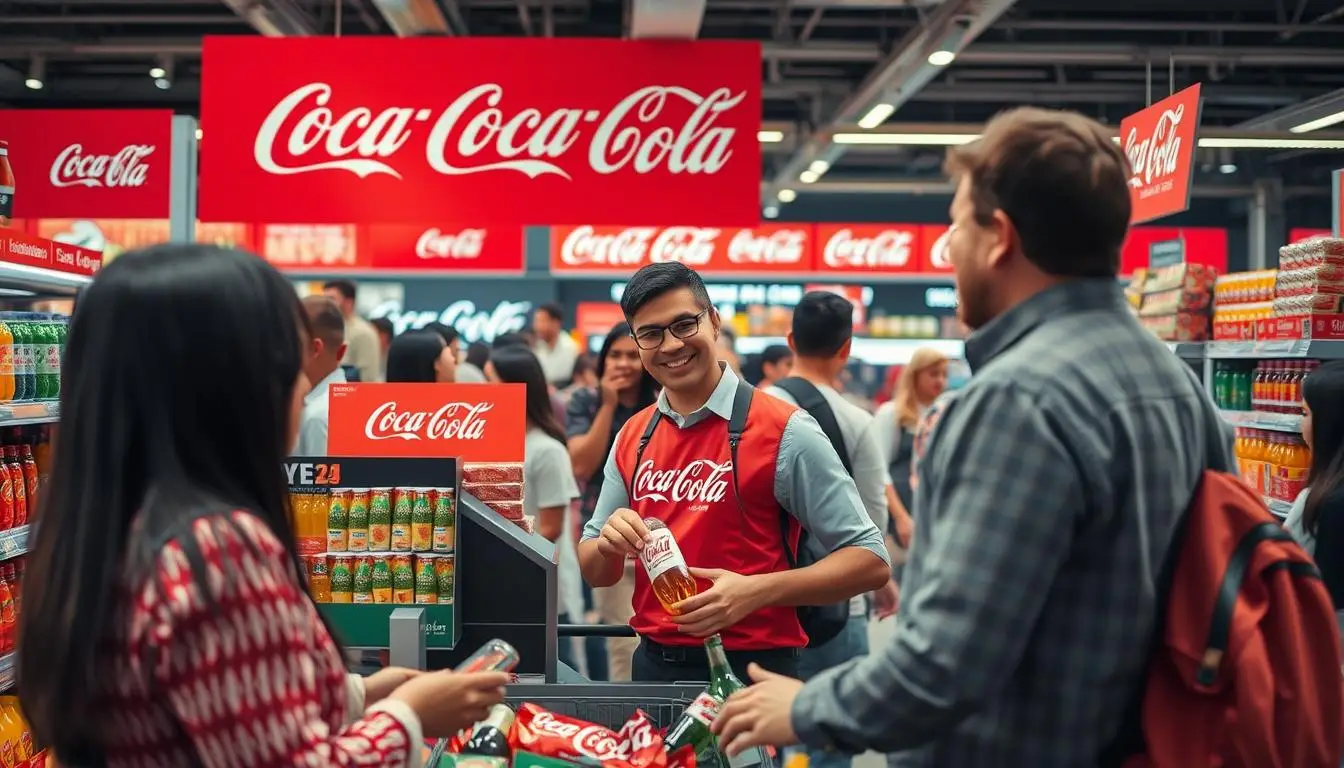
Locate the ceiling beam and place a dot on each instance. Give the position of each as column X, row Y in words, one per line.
column 1078, row 54
column 669, row 19
column 275, row 18
column 411, row 18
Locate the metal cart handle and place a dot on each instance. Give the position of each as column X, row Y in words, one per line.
column 594, row 630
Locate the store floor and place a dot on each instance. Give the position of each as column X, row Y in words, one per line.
column 879, row 632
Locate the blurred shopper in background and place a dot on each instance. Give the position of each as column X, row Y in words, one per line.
column 385, row 331
column 478, row 354
column 594, row 417
column 727, row 347
column 549, row 479
column 776, row 364
column 420, row 356
column 166, row 490
column 823, row 329
column 921, row 382
column 553, row 347
column 1050, row 494
column 584, row 376
column 361, row 340
column 322, row 366
column 463, row 372
column 1317, row 517
column 728, row 527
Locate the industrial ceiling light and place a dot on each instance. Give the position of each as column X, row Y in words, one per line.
column 876, row 116
column 770, row 212
column 808, row 177
column 941, row 58
column 158, row 73
column 769, row 137
column 787, row 195
column 1319, row 123
column 163, row 73
column 37, row 74
column 819, row 167
column 1228, row 168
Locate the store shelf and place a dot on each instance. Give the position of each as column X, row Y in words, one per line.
column 8, row 668
column 1277, row 422
column 1283, row 348
column 1187, row 350
column 17, row 414
column 1278, row 507
column 13, row 542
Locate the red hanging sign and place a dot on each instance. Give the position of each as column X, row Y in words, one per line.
column 1160, row 142
column 104, row 163
column 768, row 248
column 445, row 248
column 486, row 130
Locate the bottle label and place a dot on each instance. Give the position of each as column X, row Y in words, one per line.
column 705, row 708
column 6, row 203
column 661, row 553
column 7, row 360
column 751, row 758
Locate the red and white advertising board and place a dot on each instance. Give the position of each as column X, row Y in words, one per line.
column 869, row 248
column 422, row 247
column 30, row 251
column 480, row 129
column 768, row 248
column 1160, row 142
column 104, row 163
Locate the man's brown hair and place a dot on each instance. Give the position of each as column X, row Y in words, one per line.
column 1060, row 178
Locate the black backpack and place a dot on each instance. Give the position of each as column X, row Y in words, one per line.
column 820, row 622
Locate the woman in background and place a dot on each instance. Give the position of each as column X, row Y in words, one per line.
column 1316, row 519
column 421, row 357
column 593, row 419
column 547, row 476
column 167, row 491
column 921, row 382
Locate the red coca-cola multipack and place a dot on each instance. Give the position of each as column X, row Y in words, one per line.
column 499, row 487
column 540, row 737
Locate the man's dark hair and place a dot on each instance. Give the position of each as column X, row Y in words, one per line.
column 478, row 354
column 509, row 340
column 775, row 353
column 555, row 311
column 448, row 332
column 325, row 320
column 822, row 323
column 344, row 287
column 383, row 326
column 657, row 279
column 1062, row 181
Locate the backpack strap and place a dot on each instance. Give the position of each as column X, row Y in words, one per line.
column 639, row 452
column 810, row 399
column 737, row 424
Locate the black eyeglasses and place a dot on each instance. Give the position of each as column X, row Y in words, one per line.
column 652, row 336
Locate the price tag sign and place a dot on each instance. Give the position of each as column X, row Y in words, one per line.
column 1166, row 253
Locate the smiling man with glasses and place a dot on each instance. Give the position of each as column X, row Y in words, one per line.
column 740, row 478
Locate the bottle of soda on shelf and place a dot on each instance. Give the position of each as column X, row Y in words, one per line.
column 1220, row 385
column 490, row 737
column 6, row 186
column 666, row 568
column 15, row 470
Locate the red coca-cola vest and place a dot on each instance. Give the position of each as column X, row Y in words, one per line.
column 686, row 480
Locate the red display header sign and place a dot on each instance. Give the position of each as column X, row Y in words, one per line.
column 770, row 248
column 473, row 422
column 445, row 247
column 80, row 162
column 26, row 250
column 1160, row 142
column 488, row 130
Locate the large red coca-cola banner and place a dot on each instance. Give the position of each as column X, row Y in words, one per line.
column 106, row 163
column 486, row 130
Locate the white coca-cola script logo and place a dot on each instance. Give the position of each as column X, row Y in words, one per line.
column 474, row 325
column 938, row 256
column 476, row 134
column 888, row 248
column 126, row 168
column 635, row 246
column 453, row 421
column 435, row 244
column 590, row 740
column 701, row 481
column 1157, row 155
column 783, row 246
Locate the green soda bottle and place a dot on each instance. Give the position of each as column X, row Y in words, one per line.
column 47, row 360
column 62, row 329
column 693, row 727
column 24, row 386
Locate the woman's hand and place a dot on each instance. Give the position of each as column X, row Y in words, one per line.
column 448, row 702
column 382, row 683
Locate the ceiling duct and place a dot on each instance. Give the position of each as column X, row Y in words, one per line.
column 409, row 18
column 275, row 18
column 672, row 19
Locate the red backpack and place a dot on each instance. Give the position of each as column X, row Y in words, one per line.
column 1246, row 667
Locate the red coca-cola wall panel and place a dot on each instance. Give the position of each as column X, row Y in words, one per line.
column 1203, row 245
column 770, row 248
column 490, row 130
column 1302, row 233
column 106, row 163
column 445, row 248
column 869, row 248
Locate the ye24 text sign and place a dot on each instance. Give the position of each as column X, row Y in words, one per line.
column 486, row 130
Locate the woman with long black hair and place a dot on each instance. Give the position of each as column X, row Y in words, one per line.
column 421, row 357
column 547, row 475
column 1317, row 517
column 593, row 418
column 165, row 616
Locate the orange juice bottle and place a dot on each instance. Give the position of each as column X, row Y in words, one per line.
column 6, row 362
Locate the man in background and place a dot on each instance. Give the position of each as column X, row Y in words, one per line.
column 553, row 347
column 360, row 337
column 776, row 364
column 322, row 366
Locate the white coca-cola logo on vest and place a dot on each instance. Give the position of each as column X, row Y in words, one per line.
column 436, row 244
column 478, row 133
column 474, row 324
column 636, row 246
column 1157, row 155
column 888, row 248
column 453, row 421
column 700, row 482
column 126, row 168
column 783, row 246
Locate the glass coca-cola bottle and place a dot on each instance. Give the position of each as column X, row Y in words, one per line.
column 668, row 575
column 6, row 186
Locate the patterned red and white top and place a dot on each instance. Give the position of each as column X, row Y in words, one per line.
column 246, row 676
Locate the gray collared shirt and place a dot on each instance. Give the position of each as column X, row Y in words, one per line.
column 1047, row 501
column 810, row 482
